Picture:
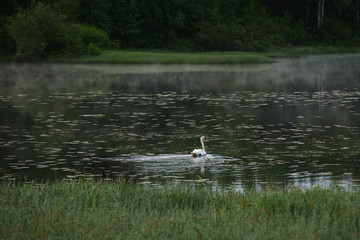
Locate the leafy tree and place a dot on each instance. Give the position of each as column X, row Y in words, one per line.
column 41, row 30
column 334, row 32
column 37, row 31
column 126, row 21
column 96, row 13
column 9, row 7
column 72, row 26
column 91, row 35
column 68, row 8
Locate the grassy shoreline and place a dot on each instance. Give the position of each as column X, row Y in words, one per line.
column 151, row 57
column 119, row 210
column 168, row 57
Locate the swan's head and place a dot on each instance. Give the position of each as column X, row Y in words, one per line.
column 203, row 138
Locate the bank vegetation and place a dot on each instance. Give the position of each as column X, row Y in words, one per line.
column 123, row 210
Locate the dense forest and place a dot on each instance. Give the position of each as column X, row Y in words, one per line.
column 76, row 27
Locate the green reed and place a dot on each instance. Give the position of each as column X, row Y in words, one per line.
column 120, row 210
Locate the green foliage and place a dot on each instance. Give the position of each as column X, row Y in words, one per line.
column 335, row 32
column 126, row 21
column 93, row 49
column 169, row 57
column 96, row 13
column 37, row 31
column 89, row 210
column 7, row 46
column 68, row 8
column 69, row 26
column 91, row 34
column 240, row 35
column 217, row 37
column 41, row 30
column 294, row 31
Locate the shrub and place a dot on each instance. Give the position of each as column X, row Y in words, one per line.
column 249, row 35
column 7, row 46
column 41, row 30
column 37, row 31
column 75, row 46
column 93, row 49
column 215, row 37
column 334, row 32
column 91, row 34
column 294, row 31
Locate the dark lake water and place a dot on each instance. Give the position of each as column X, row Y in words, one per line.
column 291, row 123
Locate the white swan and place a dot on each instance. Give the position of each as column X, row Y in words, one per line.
column 199, row 152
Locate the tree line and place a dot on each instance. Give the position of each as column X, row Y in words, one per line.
column 75, row 27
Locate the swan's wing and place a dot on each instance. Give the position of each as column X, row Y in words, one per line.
column 199, row 152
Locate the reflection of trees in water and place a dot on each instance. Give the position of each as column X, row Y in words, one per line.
column 299, row 75
column 288, row 76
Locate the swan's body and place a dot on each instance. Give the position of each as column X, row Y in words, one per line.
column 199, row 152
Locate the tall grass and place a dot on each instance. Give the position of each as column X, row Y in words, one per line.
column 168, row 57
column 309, row 50
column 125, row 211
column 156, row 57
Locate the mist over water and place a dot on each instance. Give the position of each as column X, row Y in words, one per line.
column 291, row 123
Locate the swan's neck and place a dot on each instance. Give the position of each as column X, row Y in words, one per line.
column 202, row 144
